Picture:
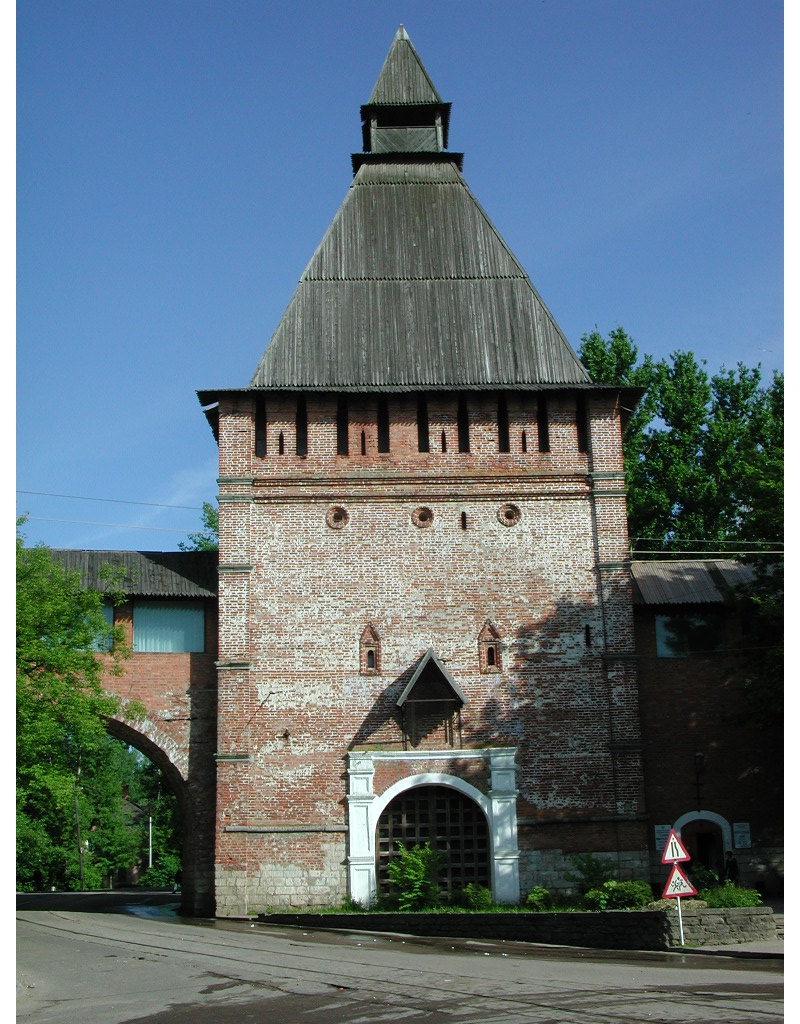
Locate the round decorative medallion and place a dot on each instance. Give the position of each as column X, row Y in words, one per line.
column 422, row 517
column 337, row 517
column 509, row 515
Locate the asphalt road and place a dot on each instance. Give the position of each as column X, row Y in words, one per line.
column 142, row 963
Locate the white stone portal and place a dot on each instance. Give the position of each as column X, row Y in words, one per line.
column 722, row 823
column 365, row 807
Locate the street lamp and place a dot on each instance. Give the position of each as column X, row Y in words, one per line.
column 699, row 767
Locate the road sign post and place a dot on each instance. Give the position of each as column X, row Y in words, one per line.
column 678, row 885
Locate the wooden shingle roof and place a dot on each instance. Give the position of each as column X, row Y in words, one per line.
column 412, row 286
column 403, row 79
column 147, row 573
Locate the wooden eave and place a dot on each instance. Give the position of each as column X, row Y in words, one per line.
column 368, row 110
column 359, row 159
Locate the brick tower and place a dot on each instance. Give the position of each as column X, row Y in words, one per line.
column 425, row 611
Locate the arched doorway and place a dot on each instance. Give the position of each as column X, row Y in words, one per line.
column 706, row 836
column 196, row 895
column 365, row 809
column 447, row 819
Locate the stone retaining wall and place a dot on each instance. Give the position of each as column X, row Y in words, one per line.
column 722, row 926
column 618, row 929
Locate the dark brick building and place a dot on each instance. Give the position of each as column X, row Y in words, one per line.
column 711, row 771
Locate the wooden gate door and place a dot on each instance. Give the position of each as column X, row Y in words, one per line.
column 446, row 819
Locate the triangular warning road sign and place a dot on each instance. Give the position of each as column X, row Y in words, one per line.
column 677, row 885
column 674, row 851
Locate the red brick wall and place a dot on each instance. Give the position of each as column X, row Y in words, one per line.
column 178, row 733
column 296, row 595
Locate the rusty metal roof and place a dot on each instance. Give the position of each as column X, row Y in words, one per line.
column 412, row 286
column 147, row 573
column 687, row 582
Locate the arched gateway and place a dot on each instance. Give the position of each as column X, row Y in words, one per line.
column 450, row 822
column 477, row 829
column 169, row 617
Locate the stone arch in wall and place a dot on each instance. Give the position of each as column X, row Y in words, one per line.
column 166, row 754
column 707, row 836
column 498, row 809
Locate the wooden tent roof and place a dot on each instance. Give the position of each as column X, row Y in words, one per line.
column 403, row 79
column 412, row 287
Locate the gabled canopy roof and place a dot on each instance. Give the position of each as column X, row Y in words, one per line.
column 412, row 287
column 432, row 677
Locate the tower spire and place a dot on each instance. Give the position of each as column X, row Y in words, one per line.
column 403, row 78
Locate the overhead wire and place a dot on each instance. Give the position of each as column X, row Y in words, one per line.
column 116, row 501
column 115, row 526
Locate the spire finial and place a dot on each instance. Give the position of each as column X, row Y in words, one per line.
column 402, row 34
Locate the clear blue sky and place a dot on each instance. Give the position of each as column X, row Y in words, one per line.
column 178, row 163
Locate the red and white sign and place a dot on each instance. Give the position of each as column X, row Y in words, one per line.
column 677, row 885
column 674, row 851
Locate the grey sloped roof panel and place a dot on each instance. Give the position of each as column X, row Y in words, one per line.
column 411, row 221
column 412, row 285
column 381, row 333
column 403, row 78
column 178, row 574
column 687, row 582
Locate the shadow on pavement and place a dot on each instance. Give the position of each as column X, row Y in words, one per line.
column 141, row 902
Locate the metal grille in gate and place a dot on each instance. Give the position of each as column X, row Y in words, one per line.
column 446, row 819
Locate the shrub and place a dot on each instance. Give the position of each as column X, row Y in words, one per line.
column 590, row 872
column 539, row 899
column 730, row 895
column 631, row 895
column 412, row 873
column 162, row 874
column 476, row 897
column 703, row 877
column 613, row 895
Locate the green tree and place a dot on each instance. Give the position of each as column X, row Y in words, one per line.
column 704, row 470
column 703, row 454
column 208, row 538
column 64, row 794
column 151, row 792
